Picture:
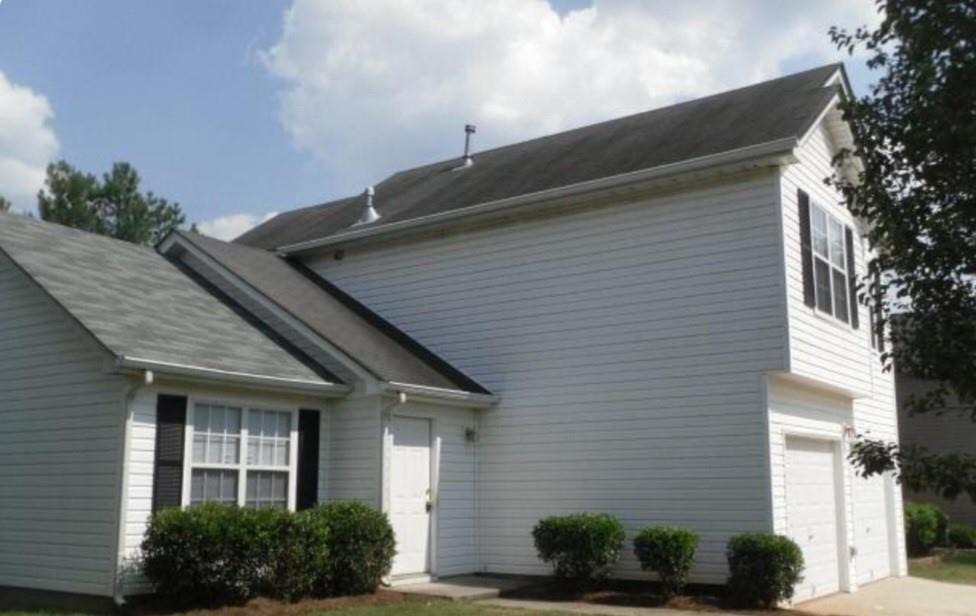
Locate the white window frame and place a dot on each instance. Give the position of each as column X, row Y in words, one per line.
column 814, row 255
column 242, row 467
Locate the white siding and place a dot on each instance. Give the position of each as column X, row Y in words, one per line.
column 827, row 352
column 354, row 446
column 627, row 344
column 142, row 449
column 455, row 542
column 59, row 447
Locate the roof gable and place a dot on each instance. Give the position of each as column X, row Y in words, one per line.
column 141, row 307
column 762, row 113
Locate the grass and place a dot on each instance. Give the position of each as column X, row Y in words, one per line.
column 958, row 568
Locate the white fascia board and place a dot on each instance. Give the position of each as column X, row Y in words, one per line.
column 213, row 375
column 768, row 153
column 451, row 397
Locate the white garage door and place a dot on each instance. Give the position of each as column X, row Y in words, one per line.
column 811, row 510
column 871, row 529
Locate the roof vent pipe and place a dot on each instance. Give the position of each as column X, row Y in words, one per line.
column 369, row 213
column 467, row 160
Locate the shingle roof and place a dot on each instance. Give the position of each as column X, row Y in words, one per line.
column 139, row 305
column 374, row 343
column 762, row 113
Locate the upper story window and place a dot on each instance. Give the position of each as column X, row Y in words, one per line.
column 241, row 455
column 830, row 264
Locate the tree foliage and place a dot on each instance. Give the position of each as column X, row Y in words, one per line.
column 112, row 205
column 915, row 136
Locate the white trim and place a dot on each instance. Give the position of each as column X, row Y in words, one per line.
column 246, row 406
column 122, row 507
column 834, row 100
column 452, row 397
column 243, row 378
column 769, row 153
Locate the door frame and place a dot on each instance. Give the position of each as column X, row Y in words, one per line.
column 386, row 495
column 845, row 580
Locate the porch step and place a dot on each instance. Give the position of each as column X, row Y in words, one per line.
column 466, row 587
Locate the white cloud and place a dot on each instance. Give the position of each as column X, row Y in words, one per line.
column 27, row 142
column 230, row 226
column 371, row 87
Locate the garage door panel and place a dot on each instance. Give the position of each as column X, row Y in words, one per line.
column 811, row 510
column 871, row 529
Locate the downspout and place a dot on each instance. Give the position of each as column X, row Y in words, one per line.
column 118, row 596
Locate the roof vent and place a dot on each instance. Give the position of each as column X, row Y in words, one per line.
column 369, row 213
column 467, row 160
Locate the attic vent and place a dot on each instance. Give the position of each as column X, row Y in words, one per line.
column 467, row 160
column 369, row 212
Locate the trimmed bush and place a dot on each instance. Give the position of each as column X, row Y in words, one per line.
column 581, row 547
column 764, row 569
column 669, row 551
column 361, row 543
column 215, row 554
column 924, row 527
column 962, row 536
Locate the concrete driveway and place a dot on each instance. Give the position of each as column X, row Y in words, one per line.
column 907, row 596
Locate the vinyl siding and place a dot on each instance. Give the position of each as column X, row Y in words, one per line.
column 627, row 344
column 59, row 447
column 830, row 354
column 354, row 446
column 953, row 431
column 141, row 459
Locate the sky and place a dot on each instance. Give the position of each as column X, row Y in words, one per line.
column 238, row 110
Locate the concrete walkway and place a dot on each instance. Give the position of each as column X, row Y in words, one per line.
column 577, row 607
column 907, row 596
column 466, row 587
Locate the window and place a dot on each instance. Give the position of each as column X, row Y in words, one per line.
column 260, row 475
column 829, row 264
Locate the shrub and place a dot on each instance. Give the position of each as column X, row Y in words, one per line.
column 669, row 551
column 962, row 536
column 361, row 543
column 763, row 569
column 924, row 524
column 582, row 547
column 197, row 556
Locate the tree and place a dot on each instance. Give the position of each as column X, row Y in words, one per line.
column 915, row 136
column 5, row 204
column 112, row 206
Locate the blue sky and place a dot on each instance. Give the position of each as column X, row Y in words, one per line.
column 225, row 110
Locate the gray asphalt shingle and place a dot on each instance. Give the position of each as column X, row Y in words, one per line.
column 138, row 304
column 753, row 115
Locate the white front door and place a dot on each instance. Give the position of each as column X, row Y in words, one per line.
column 811, row 514
column 411, row 497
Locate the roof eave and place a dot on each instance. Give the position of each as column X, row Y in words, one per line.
column 773, row 152
column 212, row 375
column 452, row 397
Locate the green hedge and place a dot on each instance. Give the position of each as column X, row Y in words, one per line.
column 962, row 536
column 669, row 551
column 581, row 547
column 926, row 526
column 219, row 554
column 763, row 569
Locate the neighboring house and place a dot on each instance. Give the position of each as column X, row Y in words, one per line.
column 949, row 430
column 652, row 317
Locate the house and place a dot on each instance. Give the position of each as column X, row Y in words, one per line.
column 652, row 316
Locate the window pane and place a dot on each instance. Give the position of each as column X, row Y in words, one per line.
column 824, row 300
column 267, row 489
column 216, row 434
column 199, row 447
column 819, row 231
column 269, row 438
column 840, row 296
column 837, row 244
column 213, row 485
column 201, row 420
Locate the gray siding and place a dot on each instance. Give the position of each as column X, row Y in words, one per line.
column 59, row 447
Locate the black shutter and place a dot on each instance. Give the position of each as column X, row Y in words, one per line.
column 876, row 308
column 806, row 249
column 168, row 471
column 851, row 277
column 308, row 459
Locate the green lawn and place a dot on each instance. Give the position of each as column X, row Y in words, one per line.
column 957, row 569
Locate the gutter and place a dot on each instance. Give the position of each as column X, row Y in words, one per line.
column 301, row 386
column 770, row 152
column 455, row 397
